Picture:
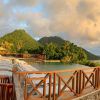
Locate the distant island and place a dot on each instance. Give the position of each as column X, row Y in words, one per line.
column 55, row 48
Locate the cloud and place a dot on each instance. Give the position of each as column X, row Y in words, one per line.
column 75, row 20
column 78, row 19
column 23, row 2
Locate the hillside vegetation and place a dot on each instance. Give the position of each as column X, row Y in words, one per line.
column 19, row 41
column 55, row 48
column 60, row 42
column 64, row 51
column 53, row 39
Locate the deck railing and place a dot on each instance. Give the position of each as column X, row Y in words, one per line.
column 53, row 85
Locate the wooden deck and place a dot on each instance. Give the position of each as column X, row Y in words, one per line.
column 60, row 85
column 54, row 85
column 65, row 96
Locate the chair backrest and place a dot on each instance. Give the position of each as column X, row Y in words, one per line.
column 6, row 91
column 6, row 88
column 4, row 79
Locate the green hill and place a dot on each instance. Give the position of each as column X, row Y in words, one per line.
column 92, row 56
column 53, row 39
column 20, row 40
column 59, row 42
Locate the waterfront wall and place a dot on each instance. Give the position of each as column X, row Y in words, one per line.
column 90, row 96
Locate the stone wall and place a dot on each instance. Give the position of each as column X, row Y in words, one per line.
column 90, row 96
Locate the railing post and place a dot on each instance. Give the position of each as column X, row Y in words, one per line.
column 44, row 88
column 98, row 78
column 93, row 79
column 83, row 84
column 73, row 83
column 77, row 82
column 54, row 87
column 50, row 86
column 59, row 86
column 25, row 90
column 80, row 78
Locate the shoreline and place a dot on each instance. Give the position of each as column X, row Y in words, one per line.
column 41, row 60
column 52, row 61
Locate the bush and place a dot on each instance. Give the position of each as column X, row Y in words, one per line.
column 66, row 59
column 89, row 63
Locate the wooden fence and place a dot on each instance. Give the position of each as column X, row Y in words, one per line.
column 53, row 85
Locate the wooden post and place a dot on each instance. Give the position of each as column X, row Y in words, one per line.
column 73, row 83
column 99, row 76
column 25, row 90
column 80, row 76
column 93, row 79
column 59, row 86
column 83, row 82
column 44, row 89
column 54, row 86
column 50, row 86
column 77, row 82
column 96, row 79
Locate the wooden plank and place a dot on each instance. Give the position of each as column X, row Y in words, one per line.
column 54, row 87
column 59, row 85
column 83, row 84
column 56, row 71
column 80, row 81
column 77, row 83
column 73, row 83
column 44, row 88
column 50, row 85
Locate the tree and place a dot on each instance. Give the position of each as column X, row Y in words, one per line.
column 8, row 46
column 50, row 51
column 19, row 45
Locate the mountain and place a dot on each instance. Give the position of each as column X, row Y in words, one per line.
column 92, row 56
column 59, row 42
column 20, row 39
column 53, row 39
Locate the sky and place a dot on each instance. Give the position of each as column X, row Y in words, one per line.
column 75, row 20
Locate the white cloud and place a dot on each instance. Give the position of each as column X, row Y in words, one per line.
column 77, row 20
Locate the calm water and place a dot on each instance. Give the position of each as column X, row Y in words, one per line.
column 97, row 61
column 54, row 66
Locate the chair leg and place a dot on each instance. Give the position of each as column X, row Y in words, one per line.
column 10, row 92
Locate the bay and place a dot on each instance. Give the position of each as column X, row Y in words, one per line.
column 52, row 66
